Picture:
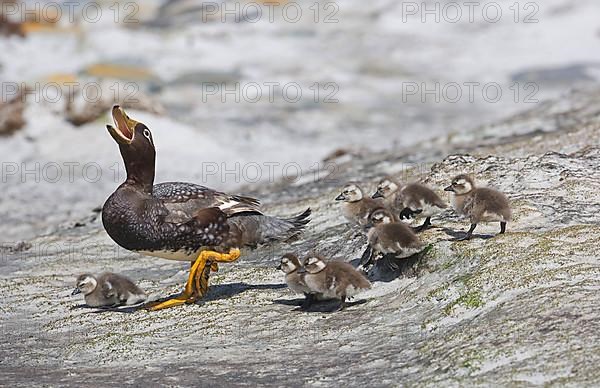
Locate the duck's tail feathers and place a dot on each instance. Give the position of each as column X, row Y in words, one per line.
column 283, row 229
column 298, row 222
column 259, row 229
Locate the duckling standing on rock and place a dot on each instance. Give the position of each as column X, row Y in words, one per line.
column 357, row 208
column 108, row 289
column 389, row 237
column 480, row 204
column 333, row 280
column 290, row 265
column 412, row 199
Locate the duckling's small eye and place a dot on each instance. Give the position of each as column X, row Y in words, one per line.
column 147, row 133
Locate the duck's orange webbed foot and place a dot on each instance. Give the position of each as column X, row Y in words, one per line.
column 197, row 284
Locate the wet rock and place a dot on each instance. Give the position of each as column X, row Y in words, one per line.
column 101, row 85
column 11, row 114
column 193, row 12
column 120, row 70
column 17, row 247
column 577, row 73
column 80, row 110
column 24, row 19
column 198, row 78
column 9, row 27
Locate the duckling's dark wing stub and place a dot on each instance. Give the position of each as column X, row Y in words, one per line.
column 107, row 290
column 415, row 193
column 182, row 200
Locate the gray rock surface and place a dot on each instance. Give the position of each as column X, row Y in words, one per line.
column 520, row 309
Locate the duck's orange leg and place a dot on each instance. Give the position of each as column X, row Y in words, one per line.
column 197, row 284
column 201, row 277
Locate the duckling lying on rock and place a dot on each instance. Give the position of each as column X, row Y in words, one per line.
column 333, row 279
column 108, row 289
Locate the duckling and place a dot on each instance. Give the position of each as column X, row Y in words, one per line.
column 290, row 265
column 108, row 289
column 334, row 279
column 357, row 207
column 410, row 200
column 389, row 237
column 480, row 204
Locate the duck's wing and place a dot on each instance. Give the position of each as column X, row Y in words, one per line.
column 183, row 200
column 205, row 227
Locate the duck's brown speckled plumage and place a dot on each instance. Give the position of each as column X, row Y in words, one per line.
column 175, row 220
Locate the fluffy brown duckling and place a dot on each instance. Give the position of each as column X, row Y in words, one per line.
column 294, row 277
column 480, row 204
column 357, row 207
column 413, row 199
column 333, row 279
column 108, row 289
column 387, row 236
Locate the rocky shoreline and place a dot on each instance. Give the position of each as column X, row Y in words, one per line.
column 518, row 309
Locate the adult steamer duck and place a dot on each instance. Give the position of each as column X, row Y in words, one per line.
column 182, row 221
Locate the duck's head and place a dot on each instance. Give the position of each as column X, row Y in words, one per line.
column 385, row 188
column 350, row 193
column 289, row 263
column 129, row 132
column 461, row 184
column 313, row 264
column 136, row 145
column 381, row 216
column 85, row 284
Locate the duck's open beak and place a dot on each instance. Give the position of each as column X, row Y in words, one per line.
column 340, row 197
column 449, row 188
column 124, row 129
column 377, row 195
column 76, row 291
